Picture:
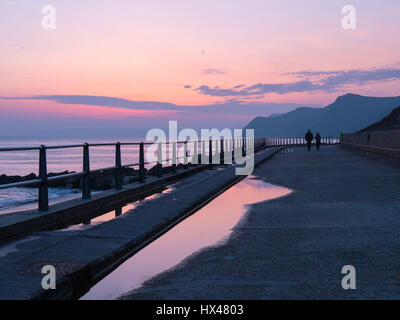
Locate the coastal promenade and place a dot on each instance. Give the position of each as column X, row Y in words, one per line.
column 344, row 210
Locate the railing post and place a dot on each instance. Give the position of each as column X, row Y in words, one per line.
column 210, row 151
column 195, row 158
column 233, row 145
column 222, row 152
column 43, row 202
column 185, row 155
column 118, row 178
column 141, row 163
column 86, row 194
column 159, row 161
column 216, row 160
column 174, row 157
column 203, row 152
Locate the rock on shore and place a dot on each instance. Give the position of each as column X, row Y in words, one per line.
column 99, row 180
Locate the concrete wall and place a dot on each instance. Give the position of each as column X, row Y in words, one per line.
column 381, row 142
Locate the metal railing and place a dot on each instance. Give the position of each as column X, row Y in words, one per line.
column 216, row 150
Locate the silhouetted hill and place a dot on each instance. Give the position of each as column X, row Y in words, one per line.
column 349, row 113
column 391, row 122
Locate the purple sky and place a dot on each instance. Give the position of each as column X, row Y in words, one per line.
column 121, row 67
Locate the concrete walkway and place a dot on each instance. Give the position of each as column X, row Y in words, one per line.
column 345, row 210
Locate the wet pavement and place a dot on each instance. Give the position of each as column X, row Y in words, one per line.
column 345, row 210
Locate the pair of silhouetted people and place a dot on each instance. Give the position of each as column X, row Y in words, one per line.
column 309, row 138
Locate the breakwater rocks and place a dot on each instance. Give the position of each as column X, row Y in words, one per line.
column 99, row 180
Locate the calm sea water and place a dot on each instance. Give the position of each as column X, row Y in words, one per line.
column 25, row 162
column 58, row 160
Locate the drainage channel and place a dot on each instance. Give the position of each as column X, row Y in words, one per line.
column 84, row 225
column 209, row 226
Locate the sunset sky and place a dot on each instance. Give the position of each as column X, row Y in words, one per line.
column 126, row 66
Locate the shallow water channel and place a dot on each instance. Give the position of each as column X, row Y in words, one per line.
column 209, row 226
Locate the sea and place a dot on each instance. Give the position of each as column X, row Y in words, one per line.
column 58, row 160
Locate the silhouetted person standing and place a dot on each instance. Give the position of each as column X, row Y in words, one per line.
column 309, row 138
column 318, row 140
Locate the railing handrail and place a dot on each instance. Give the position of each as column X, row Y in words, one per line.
column 110, row 144
column 218, row 148
column 97, row 144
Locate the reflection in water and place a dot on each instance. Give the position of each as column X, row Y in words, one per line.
column 209, row 226
column 115, row 213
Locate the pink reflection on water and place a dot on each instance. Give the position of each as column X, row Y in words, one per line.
column 112, row 214
column 210, row 226
column 115, row 213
